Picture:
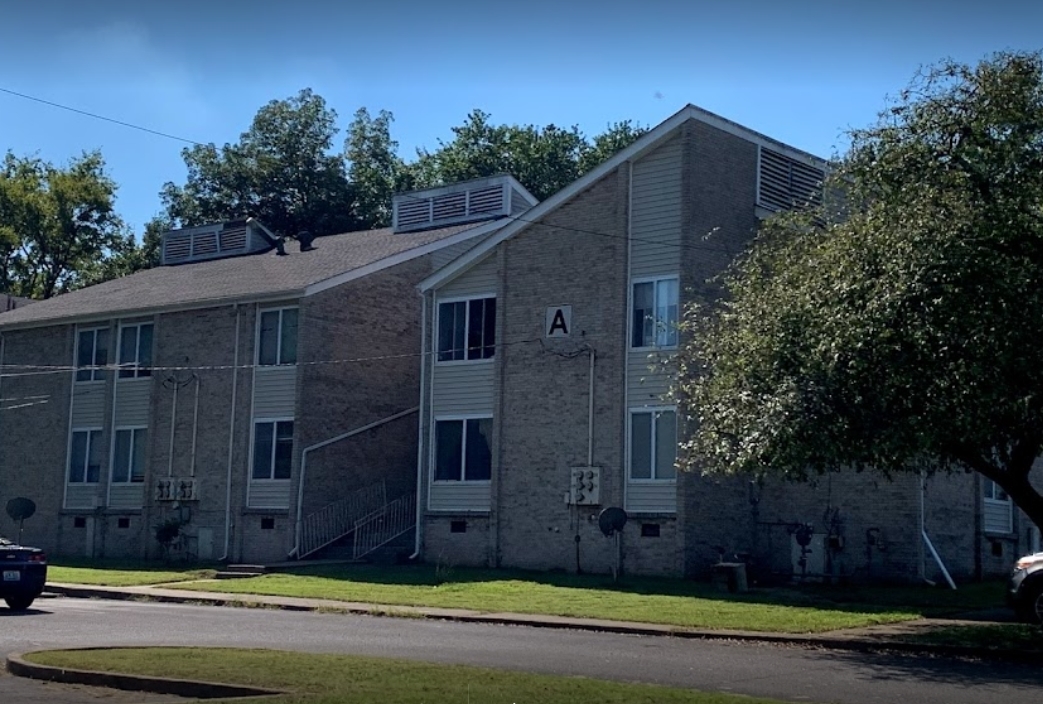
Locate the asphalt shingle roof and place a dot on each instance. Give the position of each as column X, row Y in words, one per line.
column 258, row 275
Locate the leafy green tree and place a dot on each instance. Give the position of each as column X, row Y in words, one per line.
column 56, row 223
column 374, row 168
column 281, row 171
column 128, row 255
column 544, row 160
column 898, row 328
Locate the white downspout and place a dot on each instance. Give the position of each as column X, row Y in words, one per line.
column 195, row 430
column 420, row 427
column 231, row 437
column 590, row 412
column 927, row 540
column 173, row 427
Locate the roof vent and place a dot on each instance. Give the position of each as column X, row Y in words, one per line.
column 786, row 183
column 468, row 201
column 229, row 239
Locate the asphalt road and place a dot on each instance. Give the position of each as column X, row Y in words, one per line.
column 791, row 673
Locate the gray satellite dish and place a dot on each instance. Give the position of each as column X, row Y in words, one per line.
column 19, row 509
column 611, row 520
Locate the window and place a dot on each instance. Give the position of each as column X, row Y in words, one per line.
column 85, row 457
column 128, row 456
column 135, row 359
column 653, row 444
column 655, row 313
column 467, row 329
column 462, row 450
column 92, row 354
column 997, row 511
column 273, row 449
column 278, row 337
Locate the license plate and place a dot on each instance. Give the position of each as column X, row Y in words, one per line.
column 12, row 575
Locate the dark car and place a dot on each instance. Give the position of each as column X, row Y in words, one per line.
column 1025, row 588
column 23, row 572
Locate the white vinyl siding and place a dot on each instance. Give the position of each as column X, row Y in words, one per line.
column 649, row 375
column 88, row 405
column 132, row 402
column 275, row 391
column 658, row 497
column 459, row 497
column 126, row 496
column 479, row 280
column 271, row 493
column 81, row 496
column 655, row 224
column 997, row 509
column 463, row 388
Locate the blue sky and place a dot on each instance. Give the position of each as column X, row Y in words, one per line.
column 802, row 71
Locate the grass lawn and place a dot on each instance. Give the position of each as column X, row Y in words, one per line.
column 682, row 603
column 318, row 679
column 121, row 573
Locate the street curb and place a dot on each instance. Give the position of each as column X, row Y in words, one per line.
column 195, row 689
column 831, row 642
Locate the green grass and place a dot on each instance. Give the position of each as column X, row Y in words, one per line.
column 121, row 573
column 675, row 602
column 322, row 679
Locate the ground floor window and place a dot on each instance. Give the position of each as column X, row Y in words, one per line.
column 463, row 449
column 653, row 443
column 85, row 457
column 273, row 449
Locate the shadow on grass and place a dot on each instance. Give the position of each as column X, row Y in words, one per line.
column 926, row 600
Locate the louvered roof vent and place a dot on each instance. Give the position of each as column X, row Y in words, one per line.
column 468, row 201
column 218, row 241
column 786, row 182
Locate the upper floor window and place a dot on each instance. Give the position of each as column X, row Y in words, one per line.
column 277, row 343
column 135, row 358
column 655, row 304
column 467, row 329
column 85, row 457
column 92, row 354
column 463, row 450
column 653, row 444
column 128, row 457
column 273, row 449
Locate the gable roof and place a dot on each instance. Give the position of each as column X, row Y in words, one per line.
column 335, row 259
column 645, row 143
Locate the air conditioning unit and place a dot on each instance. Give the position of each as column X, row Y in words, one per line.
column 585, row 486
column 176, row 489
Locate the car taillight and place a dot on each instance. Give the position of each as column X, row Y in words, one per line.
column 38, row 557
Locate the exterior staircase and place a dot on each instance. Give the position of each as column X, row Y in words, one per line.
column 357, row 526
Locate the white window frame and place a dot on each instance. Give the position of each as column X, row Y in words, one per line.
column 660, row 326
column 96, row 373
column 68, row 460
column 134, row 369
column 463, row 480
column 1004, row 504
column 134, row 430
column 271, row 460
column 467, row 323
column 278, row 337
column 649, row 410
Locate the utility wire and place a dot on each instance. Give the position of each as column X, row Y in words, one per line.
column 101, row 117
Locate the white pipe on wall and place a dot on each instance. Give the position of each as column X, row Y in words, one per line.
column 420, row 427
column 231, row 436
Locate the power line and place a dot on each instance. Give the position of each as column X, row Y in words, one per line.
column 101, row 117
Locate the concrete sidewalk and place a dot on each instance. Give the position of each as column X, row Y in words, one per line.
column 890, row 637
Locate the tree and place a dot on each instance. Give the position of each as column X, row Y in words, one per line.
column 896, row 328
column 56, row 223
column 374, row 168
column 280, row 171
column 128, row 256
column 544, row 160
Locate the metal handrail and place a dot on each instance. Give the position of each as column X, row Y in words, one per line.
column 384, row 525
column 335, row 520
